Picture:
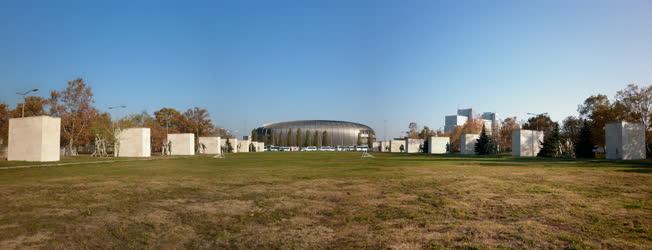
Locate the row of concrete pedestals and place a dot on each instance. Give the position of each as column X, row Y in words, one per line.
column 435, row 145
column 623, row 140
column 37, row 138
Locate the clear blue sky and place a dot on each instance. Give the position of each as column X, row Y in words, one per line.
column 253, row 62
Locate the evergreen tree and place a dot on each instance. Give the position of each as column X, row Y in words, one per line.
column 585, row 143
column 299, row 139
column 426, row 144
column 325, row 139
column 229, row 147
column 252, row 148
column 485, row 145
column 254, row 135
column 551, row 144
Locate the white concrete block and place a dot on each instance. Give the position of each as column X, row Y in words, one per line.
column 526, row 143
column 375, row 146
column 260, row 147
column 210, row 145
column 182, row 144
column 35, row 138
column 467, row 143
column 413, row 145
column 243, row 146
column 396, row 145
column 384, row 146
column 438, row 145
column 625, row 141
column 233, row 142
column 134, row 142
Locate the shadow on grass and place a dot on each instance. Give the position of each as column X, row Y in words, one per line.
column 639, row 166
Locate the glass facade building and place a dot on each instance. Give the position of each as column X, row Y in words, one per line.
column 338, row 133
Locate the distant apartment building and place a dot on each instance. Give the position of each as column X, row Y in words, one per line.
column 490, row 119
column 453, row 121
column 469, row 113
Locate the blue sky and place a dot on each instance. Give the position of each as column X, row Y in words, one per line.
column 253, row 62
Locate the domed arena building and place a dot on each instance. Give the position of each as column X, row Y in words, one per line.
column 314, row 133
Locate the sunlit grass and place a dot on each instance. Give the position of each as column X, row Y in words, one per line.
column 319, row 200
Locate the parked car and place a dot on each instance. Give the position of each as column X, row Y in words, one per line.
column 284, row 149
column 362, row 148
column 309, row 148
column 326, row 148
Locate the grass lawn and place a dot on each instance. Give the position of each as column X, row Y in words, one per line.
column 328, row 200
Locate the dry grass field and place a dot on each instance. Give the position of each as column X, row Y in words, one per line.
column 328, row 200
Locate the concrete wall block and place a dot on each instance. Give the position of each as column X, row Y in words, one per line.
column 210, row 145
column 134, row 142
column 182, row 144
column 35, row 138
column 438, row 145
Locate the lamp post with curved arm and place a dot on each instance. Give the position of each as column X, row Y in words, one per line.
column 24, row 94
column 116, row 145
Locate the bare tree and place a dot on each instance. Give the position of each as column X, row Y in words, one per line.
column 74, row 106
column 505, row 133
column 637, row 101
column 472, row 126
column 197, row 121
column 413, row 132
column 4, row 123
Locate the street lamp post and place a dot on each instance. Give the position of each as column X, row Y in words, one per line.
column 116, row 146
column 24, row 94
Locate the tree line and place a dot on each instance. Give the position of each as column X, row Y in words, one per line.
column 82, row 123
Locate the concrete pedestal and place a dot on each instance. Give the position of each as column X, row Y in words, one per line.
column 384, row 146
column 467, row 143
column 395, row 146
column 134, row 142
column 413, row 145
column 260, row 147
column 375, row 146
column 243, row 146
column 625, row 141
column 210, row 145
column 526, row 143
column 438, row 145
column 35, row 138
column 182, row 144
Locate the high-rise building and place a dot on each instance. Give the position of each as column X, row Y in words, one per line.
column 469, row 113
column 452, row 121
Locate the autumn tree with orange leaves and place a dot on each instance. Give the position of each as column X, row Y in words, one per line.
column 472, row 126
column 75, row 107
